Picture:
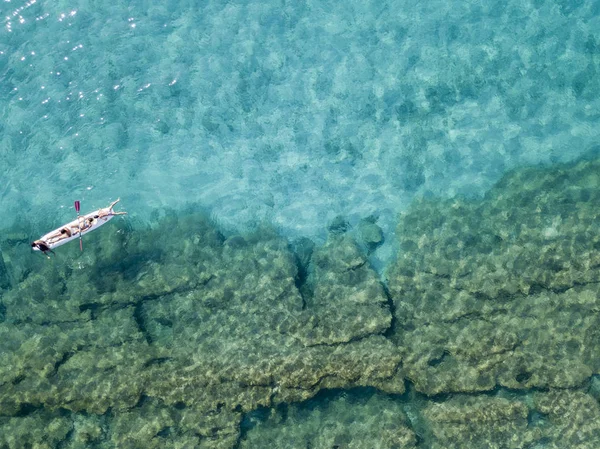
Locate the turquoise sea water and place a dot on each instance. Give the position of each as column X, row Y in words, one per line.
column 290, row 112
column 271, row 119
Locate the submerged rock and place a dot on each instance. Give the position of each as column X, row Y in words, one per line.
column 4, row 278
column 554, row 419
column 338, row 225
column 503, row 291
column 370, row 233
column 479, row 422
column 349, row 301
column 358, row 420
column 168, row 334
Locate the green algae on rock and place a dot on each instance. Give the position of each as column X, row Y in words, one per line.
column 39, row 429
column 573, row 418
column 168, row 334
column 348, row 300
column 370, row 233
column 167, row 337
column 4, row 278
column 479, row 422
column 503, row 291
column 372, row 421
column 555, row 419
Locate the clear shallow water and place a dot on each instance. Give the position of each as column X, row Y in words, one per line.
column 289, row 112
column 294, row 113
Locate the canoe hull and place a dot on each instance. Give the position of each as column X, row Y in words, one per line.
column 87, row 223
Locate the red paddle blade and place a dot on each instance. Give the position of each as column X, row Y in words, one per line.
column 77, row 206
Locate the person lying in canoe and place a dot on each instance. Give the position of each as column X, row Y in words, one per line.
column 75, row 229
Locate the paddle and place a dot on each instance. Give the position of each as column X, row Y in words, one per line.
column 77, row 207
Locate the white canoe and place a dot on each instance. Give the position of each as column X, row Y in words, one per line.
column 71, row 231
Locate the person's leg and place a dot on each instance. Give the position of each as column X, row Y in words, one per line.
column 113, row 205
